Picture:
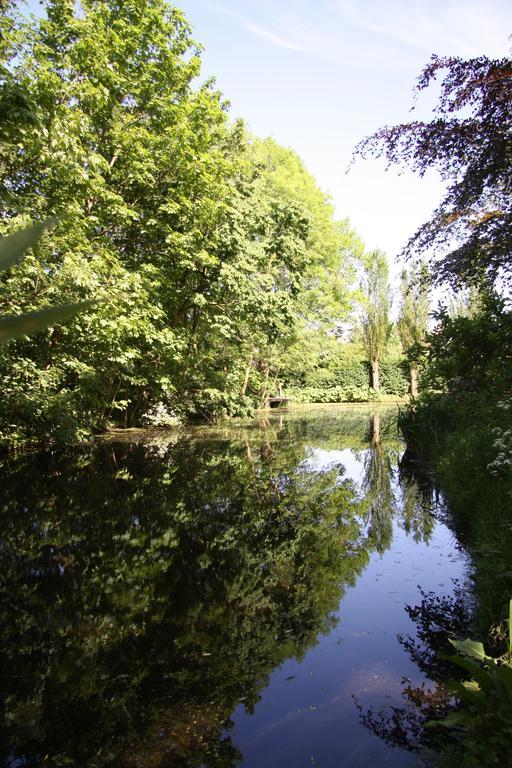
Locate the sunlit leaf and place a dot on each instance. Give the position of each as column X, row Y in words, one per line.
column 470, row 648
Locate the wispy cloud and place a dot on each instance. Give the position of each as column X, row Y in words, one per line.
column 442, row 26
column 272, row 37
column 396, row 34
column 267, row 34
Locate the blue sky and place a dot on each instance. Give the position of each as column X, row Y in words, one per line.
column 320, row 75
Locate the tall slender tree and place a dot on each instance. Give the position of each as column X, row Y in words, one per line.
column 376, row 325
column 412, row 321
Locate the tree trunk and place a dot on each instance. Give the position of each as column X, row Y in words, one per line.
column 375, row 375
column 376, row 429
column 264, row 393
column 243, row 388
column 414, row 379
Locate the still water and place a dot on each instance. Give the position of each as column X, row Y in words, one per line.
column 219, row 596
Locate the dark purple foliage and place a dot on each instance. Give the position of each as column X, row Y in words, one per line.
column 469, row 142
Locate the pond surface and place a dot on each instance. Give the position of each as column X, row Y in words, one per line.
column 217, row 597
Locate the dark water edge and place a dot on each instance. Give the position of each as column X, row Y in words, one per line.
column 223, row 596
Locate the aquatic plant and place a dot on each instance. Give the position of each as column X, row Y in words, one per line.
column 481, row 725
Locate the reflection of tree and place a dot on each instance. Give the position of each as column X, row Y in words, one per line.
column 419, row 497
column 146, row 592
column 417, row 516
column 377, row 488
column 414, row 472
column 436, row 618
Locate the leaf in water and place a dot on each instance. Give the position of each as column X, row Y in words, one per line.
column 12, row 247
column 19, row 325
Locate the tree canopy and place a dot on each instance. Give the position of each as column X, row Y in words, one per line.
column 207, row 249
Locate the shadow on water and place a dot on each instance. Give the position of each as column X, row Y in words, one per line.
column 153, row 590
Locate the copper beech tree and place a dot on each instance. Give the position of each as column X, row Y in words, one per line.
column 469, row 141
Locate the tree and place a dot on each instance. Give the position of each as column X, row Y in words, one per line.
column 143, row 167
column 376, row 326
column 332, row 246
column 467, row 302
column 469, row 141
column 377, row 488
column 412, row 322
column 200, row 247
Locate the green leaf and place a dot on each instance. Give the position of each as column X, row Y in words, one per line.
column 510, row 630
column 470, row 648
column 477, row 672
column 453, row 719
column 19, row 325
column 14, row 246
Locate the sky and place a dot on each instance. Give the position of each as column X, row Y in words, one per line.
column 320, row 75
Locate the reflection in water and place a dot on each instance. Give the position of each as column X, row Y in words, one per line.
column 377, row 486
column 436, row 618
column 150, row 588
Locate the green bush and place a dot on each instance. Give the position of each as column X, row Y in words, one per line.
column 332, row 394
column 214, row 404
column 349, row 382
column 394, row 377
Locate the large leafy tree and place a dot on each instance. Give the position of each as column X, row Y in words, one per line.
column 469, row 141
column 294, row 275
column 322, row 290
column 196, row 250
column 141, row 166
column 332, row 245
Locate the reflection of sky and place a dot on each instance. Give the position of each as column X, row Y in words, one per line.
column 307, row 714
column 320, row 460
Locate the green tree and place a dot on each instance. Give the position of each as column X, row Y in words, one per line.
column 333, row 247
column 142, row 166
column 466, row 302
column 375, row 323
column 198, row 245
column 412, row 320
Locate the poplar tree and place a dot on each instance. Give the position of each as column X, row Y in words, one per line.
column 412, row 321
column 376, row 325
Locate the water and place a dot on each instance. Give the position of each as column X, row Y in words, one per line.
column 218, row 597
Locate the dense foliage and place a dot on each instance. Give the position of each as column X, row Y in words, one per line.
column 206, row 249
